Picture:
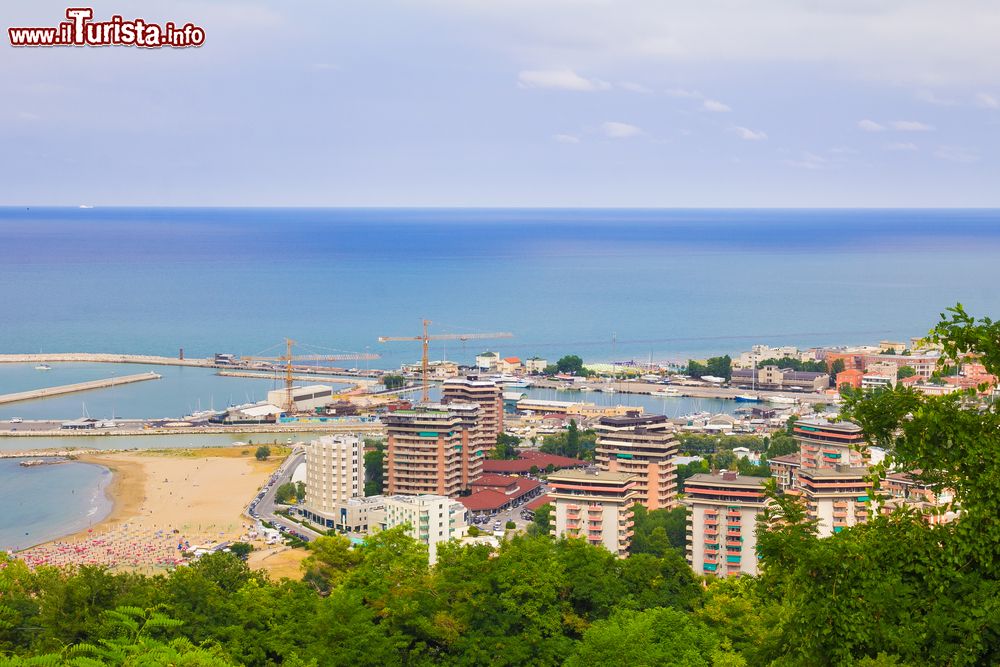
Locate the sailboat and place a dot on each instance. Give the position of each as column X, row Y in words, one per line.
column 754, row 397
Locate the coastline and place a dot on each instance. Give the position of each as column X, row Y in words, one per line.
column 159, row 499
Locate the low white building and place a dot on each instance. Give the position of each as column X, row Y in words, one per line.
column 431, row 519
column 487, row 361
column 535, row 365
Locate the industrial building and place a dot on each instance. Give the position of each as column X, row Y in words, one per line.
column 304, row 399
column 772, row 377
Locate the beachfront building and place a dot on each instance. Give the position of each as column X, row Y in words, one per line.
column 836, row 497
column 430, row 519
column 824, row 444
column 595, row 505
column 487, row 394
column 643, row 446
column 433, row 449
column 335, row 473
column 722, row 522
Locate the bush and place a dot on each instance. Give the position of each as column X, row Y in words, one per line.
column 511, row 525
column 263, row 452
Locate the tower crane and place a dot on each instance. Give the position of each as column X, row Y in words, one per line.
column 288, row 358
column 425, row 339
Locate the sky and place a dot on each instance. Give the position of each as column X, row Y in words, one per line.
column 707, row 103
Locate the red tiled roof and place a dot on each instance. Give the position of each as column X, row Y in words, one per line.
column 529, row 459
column 512, row 360
column 492, row 479
column 538, row 502
column 485, row 500
column 489, row 499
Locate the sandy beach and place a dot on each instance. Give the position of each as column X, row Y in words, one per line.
column 162, row 501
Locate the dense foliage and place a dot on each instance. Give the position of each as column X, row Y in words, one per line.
column 374, row 466
column 506, row 447
column 572, row 442
column 720, row 367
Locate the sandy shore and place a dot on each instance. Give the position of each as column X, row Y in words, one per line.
column 162, row 499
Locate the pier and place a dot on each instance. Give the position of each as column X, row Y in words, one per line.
column 48, row 392
column 102, row 358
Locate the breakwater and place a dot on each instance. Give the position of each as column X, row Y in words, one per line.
column 47, row 392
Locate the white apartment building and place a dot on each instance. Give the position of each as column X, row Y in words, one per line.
column 335, row 473
column 432, row 519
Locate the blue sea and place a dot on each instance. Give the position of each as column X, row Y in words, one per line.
column 666, row 284
column 609, row 285
column 46, row 502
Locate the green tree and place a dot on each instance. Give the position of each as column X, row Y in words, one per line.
column 506, row 447
column 664, row 637
column 541, row 524
column 393, row 381
column 905, row 372
column 375, row 468
column 696, row 369
column 720, row 367
column 572, row 365
column 241, row 549
column 285, row 493
column 262, row 453
column 780, row 444
column 658, row 531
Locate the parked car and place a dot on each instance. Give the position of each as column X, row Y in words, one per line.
column 16, row 420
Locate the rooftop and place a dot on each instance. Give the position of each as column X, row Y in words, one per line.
column 591, row 475
column 724, row 479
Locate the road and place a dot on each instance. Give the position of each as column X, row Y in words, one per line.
column 266, row 507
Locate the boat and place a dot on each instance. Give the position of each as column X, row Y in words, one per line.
column 666, row 392
column 43, row 367
column 747, row 398
column 782, row 400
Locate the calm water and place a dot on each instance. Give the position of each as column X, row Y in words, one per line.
column 181, row 391
column 667, row 284
column 45, row 502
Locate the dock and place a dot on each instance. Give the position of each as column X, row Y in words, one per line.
column 48, row 392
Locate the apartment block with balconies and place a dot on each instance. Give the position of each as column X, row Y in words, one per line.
column 487, row 394
column 722, row 522
column 825, row 444
column 595, row 505
column 836, row 497
column 643, row 446
column 433, row 449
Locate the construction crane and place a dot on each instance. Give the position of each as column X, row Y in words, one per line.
column 427, row 338
column 288, row 358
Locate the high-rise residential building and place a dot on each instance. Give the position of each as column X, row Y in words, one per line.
column 722, row 522
column 823, row 444
column 433, row 449
column 335, row 471
column 645, row 447
column 836, row 497
column 432, row 519
column 595, row 504
column 487, row 394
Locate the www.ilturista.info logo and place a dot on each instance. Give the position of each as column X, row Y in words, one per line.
column 80, row 30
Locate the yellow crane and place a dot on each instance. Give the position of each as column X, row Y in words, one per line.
column 426, row 338
column 288, row 358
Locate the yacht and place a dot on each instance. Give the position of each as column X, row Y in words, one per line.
column 782, row 400
column 669, row 391
column 43, row 367
column 747, row 398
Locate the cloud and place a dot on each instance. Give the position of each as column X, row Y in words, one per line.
column 957, row 154
column 901, row 146
column 684, row 94
column 809, row 161
column 748, row 134
column 559, row 79
column 910, row 126
column 931, row 98
column 870, row 126
column 716, row 106
column 566, row 138
column 617, row 130
column 634, row 87
column 987, row 101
